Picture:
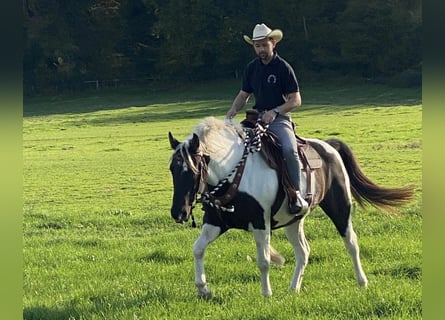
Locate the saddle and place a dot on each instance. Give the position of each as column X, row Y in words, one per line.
column 271, row 149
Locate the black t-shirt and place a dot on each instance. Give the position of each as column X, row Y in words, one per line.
column 269, row 83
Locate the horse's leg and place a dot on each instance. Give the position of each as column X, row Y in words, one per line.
column 296, row 236
column 337, row 205
column 262, row 241
column 208, row 234
column 351, row 244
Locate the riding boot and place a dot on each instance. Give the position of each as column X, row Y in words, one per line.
column 297, row 204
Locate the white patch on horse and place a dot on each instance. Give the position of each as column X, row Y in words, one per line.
column 187, row 163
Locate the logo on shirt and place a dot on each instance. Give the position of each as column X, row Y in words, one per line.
column 272, row 78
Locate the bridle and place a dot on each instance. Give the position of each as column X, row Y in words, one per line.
column 200, row 183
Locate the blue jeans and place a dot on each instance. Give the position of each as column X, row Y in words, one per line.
column 282, row 127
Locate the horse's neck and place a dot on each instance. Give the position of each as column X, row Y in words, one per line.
column 224, row 161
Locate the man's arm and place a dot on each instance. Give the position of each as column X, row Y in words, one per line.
column 239, row 102
column 293, row 101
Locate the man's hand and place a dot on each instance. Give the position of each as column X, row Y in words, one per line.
column 268, row 116
column 239, row 102
column 230, row 114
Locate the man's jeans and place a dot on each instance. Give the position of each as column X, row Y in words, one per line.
column 282, row 127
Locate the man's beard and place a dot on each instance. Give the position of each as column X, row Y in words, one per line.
column 263, row 55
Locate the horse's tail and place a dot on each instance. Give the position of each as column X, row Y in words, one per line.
column 276, row 257
column 363, row 189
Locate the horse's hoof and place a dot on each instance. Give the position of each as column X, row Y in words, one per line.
column 267, row 294
column 363, row 284
column 205, row 293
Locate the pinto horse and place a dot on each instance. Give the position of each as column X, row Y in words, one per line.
column 209, row 160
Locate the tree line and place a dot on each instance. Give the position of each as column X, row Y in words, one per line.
column 69, row 43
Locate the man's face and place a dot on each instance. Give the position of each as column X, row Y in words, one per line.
column 264, row 48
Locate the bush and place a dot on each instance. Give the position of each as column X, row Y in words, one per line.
column 408, row 78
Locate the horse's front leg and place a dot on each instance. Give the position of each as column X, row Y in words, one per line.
column 208, row 234
column 262, row 240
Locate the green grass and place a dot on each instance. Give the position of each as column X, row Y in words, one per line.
column 99, row 242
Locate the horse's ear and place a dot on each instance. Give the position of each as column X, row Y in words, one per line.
column 173, row 142
column 194, row 143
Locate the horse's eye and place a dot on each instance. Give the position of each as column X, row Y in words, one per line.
column 178, row 160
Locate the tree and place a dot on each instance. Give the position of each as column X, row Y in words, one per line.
column 140, row 44
column 49, row 47
column 68, row 42
column 380, row 37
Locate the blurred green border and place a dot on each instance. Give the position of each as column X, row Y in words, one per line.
column 11, row 262
column 433, row 190
column 433, row 160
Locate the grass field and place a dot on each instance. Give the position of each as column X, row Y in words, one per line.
column 99, row 242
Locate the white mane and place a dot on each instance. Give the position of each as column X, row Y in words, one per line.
column 216, row 135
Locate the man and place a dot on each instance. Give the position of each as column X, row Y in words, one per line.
column 273, row 83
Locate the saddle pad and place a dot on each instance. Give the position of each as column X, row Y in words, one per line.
column 310, row 154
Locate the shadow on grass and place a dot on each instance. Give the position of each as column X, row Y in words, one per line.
column 162, row 257
column 158, row 113
column 217, row 92
column 194, row 110
column 110, row 305
column 112, row 99
column 45, row 313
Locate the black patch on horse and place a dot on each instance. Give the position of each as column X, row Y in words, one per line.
column 247, row 210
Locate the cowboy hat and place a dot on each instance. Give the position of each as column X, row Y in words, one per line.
column 261, row 31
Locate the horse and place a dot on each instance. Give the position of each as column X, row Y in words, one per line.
column 210, row 158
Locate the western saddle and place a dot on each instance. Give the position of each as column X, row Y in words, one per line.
column 271, row 149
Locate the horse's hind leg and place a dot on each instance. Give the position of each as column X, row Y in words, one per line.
column 208, row 234
column 296, row 236
column 351, row 243
column 337, row 205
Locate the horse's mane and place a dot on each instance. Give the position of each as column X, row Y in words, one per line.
column 217, row 135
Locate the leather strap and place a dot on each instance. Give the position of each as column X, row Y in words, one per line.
column 308, row 170
column 233, row 188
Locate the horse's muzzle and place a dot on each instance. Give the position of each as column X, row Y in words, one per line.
column 182, row 216
column 181, row 219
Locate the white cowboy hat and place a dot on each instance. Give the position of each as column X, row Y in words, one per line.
column 261, row 31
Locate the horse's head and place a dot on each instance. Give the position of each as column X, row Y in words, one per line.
column 186, row 167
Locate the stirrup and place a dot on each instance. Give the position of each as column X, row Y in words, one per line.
column 300, row 206
column 301, row 200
